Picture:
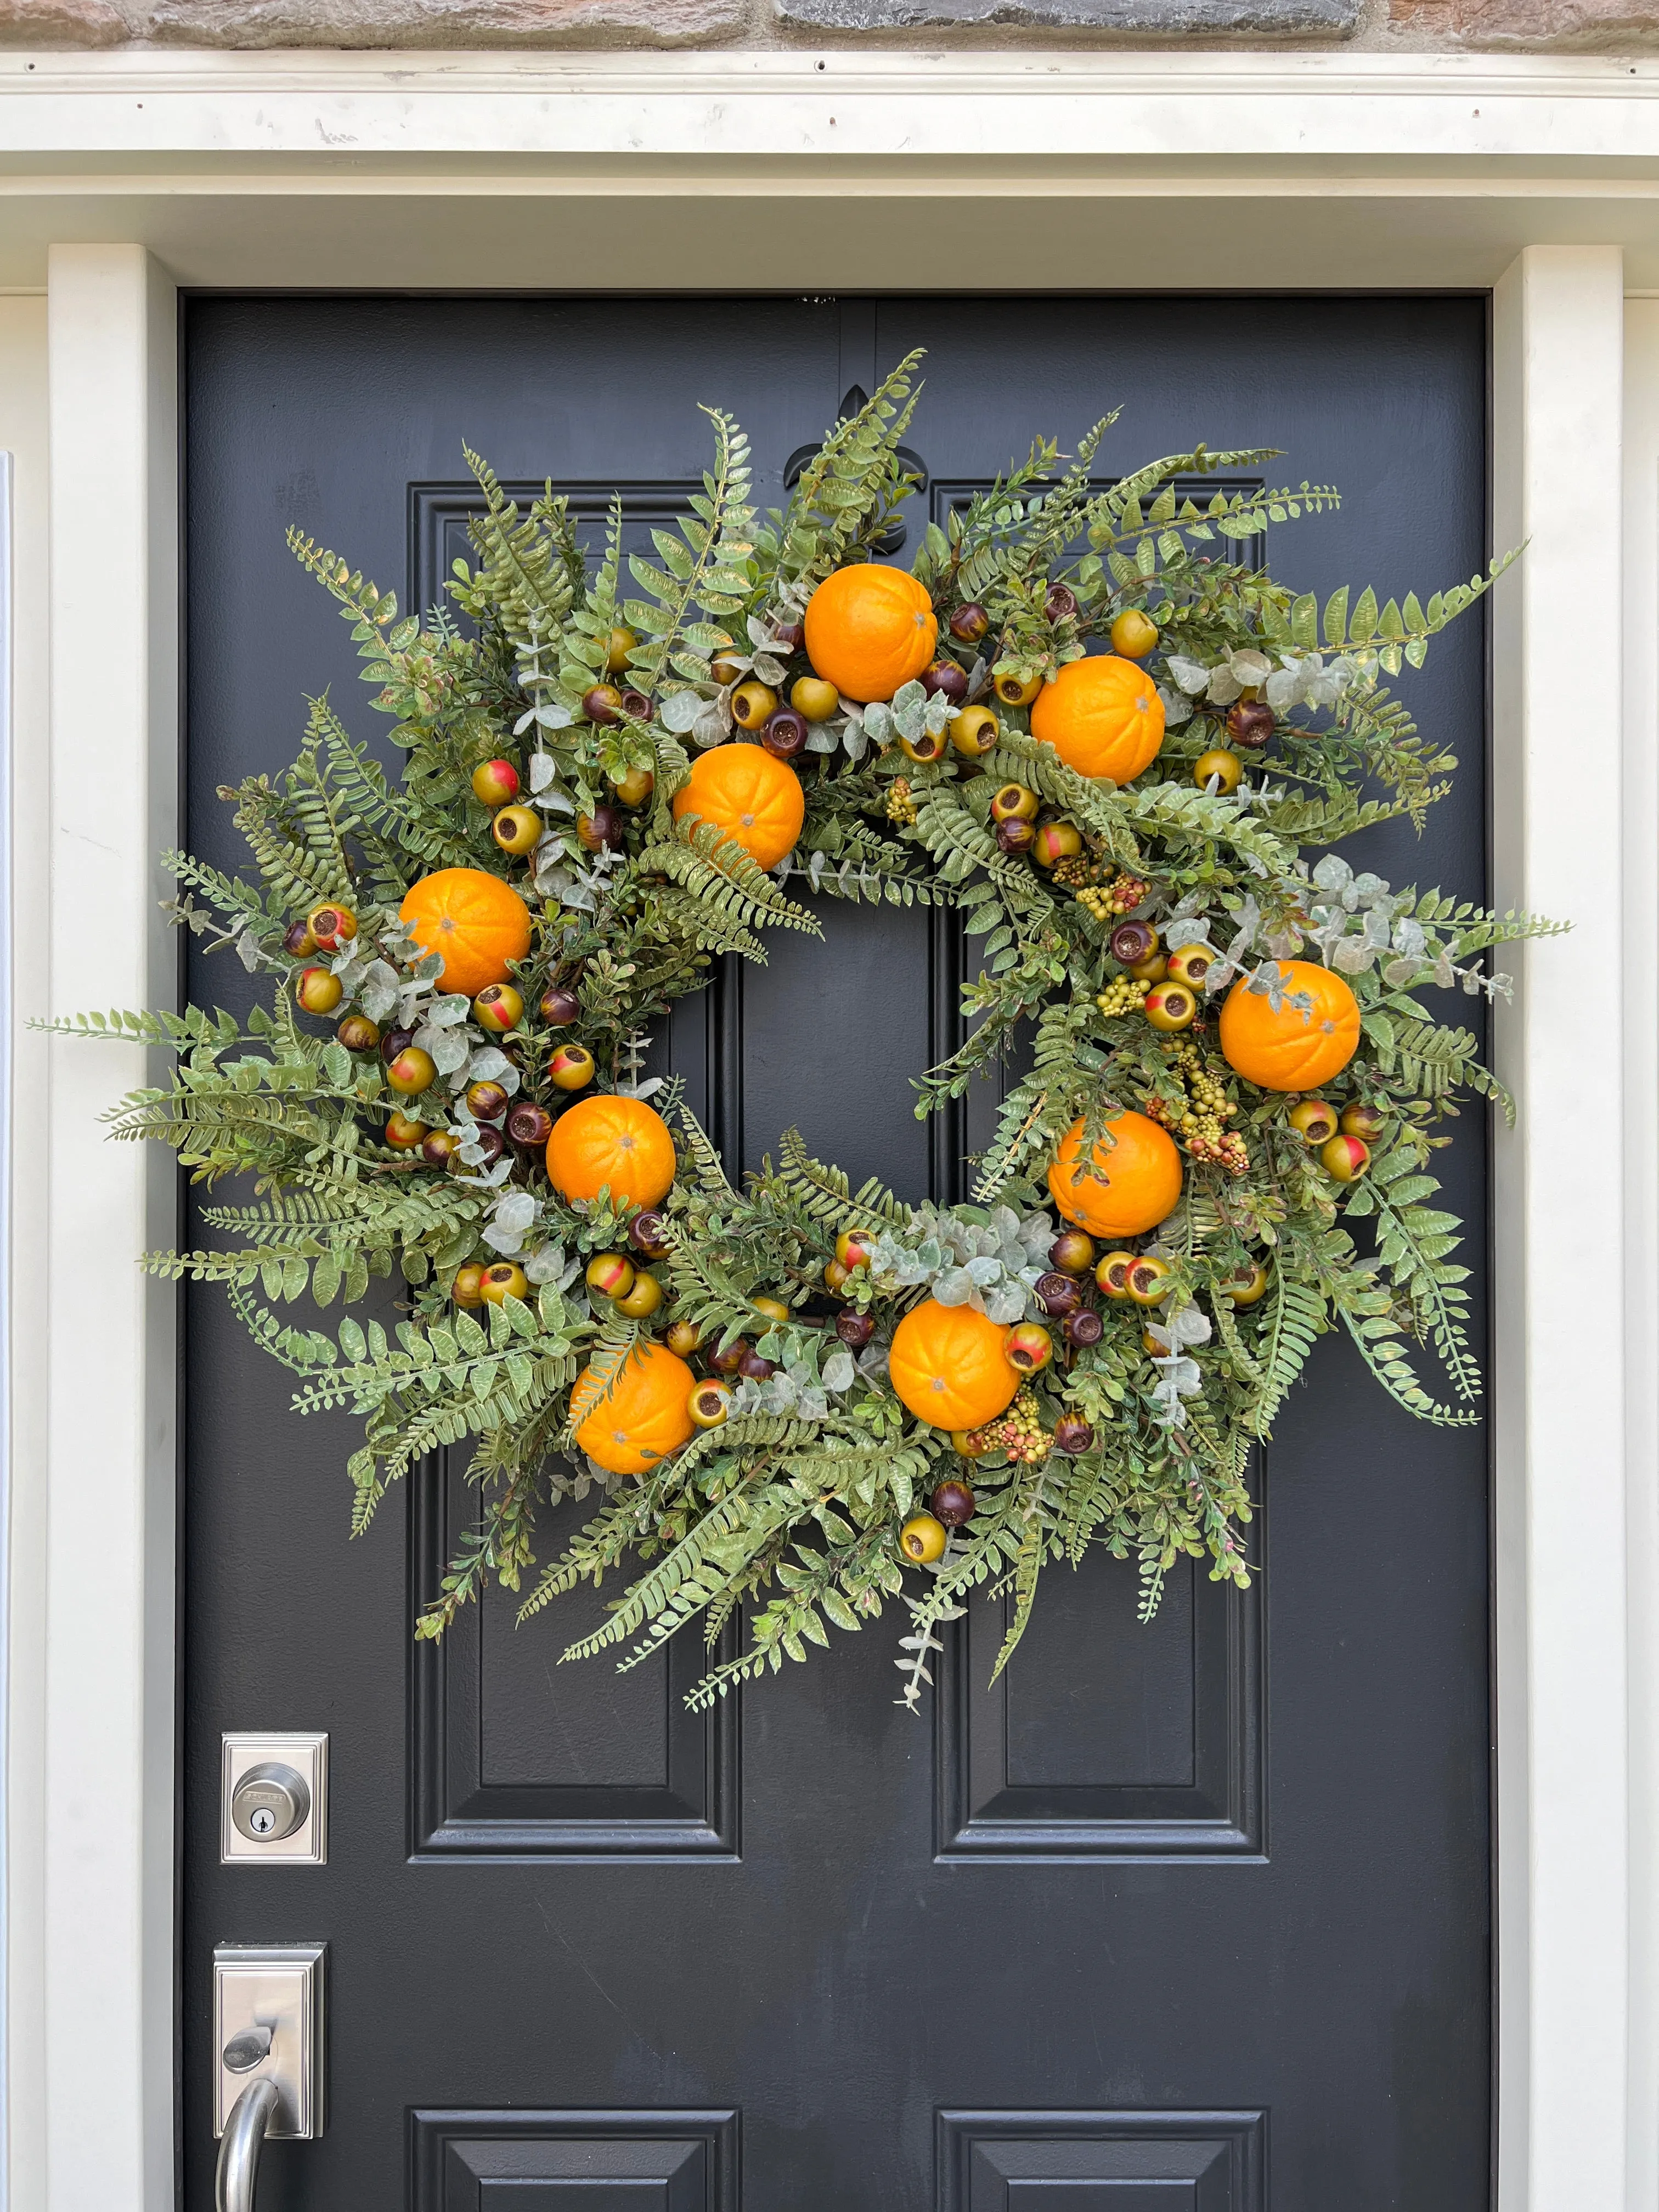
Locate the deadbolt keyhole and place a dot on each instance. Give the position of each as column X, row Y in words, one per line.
column 270, row 1802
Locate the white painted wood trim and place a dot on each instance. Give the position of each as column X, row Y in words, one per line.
column 91, row 1680
column 109, row 1341
column 1641, row 1282
column 1562, row 1652
column 1364, row 169
column 8, row 693
column 23, row 430
column 836, row 104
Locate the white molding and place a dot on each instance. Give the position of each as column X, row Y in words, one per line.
column 109, row 1471
column 8, row 697
column 1562, row 1654
column 23, row 429
column 834, row 169
column 1430, row 112
column 1641, row 1284
column 1057, row 74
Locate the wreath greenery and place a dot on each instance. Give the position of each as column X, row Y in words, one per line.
column 551, row 1290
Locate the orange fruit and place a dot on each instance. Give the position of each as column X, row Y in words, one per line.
column 749, row 796
column 1292, row 1050
column 1102, row 716
column 948, row 1367
column 478, row 922
column 629, row 1413
column 869, row 628
column 619, row 1141
column 1142, row 1171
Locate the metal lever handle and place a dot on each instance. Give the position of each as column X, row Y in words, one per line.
column 249, row 2049
column 244, row 2139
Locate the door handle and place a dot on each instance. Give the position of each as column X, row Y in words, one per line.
column 243, row 2141
column 268, row 2060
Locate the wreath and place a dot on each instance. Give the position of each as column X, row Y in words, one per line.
column 1076, row 719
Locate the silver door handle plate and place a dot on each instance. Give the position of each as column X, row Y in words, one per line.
column 267, row 2020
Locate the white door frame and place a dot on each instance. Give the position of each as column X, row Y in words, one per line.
column 1535, row 177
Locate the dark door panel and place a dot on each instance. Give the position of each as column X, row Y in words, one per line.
column 1193, row 1915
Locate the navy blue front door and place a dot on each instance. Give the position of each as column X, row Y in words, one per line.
column 1192, row 1918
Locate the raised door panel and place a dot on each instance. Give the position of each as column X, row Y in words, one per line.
column 1120, row 2161
column 1109, row 1735
column 573, row 2161
column 515, row 1756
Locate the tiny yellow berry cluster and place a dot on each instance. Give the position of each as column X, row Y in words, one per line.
column 1106, row 901
column 1201, row 1122
column 1123, row 995
column 1019, row 1433
column 1076, row 872
column 901, row 807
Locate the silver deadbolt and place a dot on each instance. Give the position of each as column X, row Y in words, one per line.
column 273, row 1799
column 270, row 1802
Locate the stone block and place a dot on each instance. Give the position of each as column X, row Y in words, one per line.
column 50, row 23
column 441, row 23
column 1090, row 19
column 1581, row 26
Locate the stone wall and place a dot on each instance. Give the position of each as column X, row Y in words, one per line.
column 1583, row 26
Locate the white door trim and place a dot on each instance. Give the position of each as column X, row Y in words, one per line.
column 104, row 1334
column 364, row 171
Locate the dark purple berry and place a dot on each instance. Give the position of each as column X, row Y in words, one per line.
column 1133, row 942
column 952, row 1503
column 647, row 1232
column 1072, row 1434
column 784, row 734
column 603, row 827
column 1250, row 723
column 1083, row 1327
column 528, row 1124
column 1058, row 1294
column 944, row 680
column 487, row 1100
column 855, row 1329
column 1014, row 835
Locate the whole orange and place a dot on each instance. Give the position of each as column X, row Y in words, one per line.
column 1102, row 716
column 476, row 922
column 749, row 796
column 948, row 1367
column 1142, row 1171
column 629, row 1413
column 869, row 628
column 607, row 1140
column 1296, row 1048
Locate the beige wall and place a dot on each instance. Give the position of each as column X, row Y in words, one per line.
column 1614, row 26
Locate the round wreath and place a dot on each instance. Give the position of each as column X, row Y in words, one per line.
column 1077, row 721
